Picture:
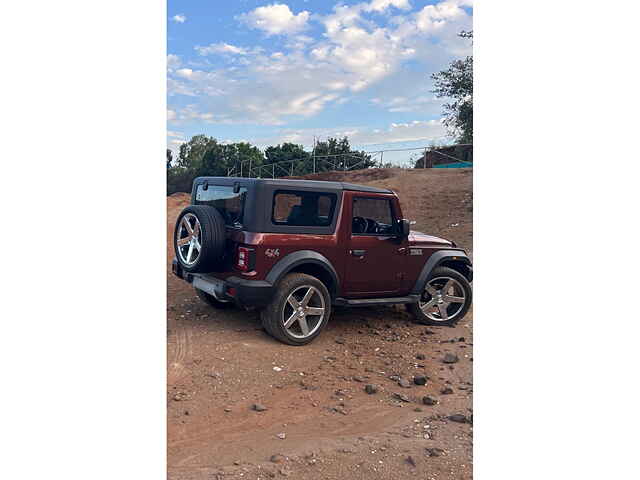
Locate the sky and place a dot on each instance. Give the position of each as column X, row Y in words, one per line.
column 268, row 72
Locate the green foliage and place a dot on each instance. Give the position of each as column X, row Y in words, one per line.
column 286, row 152
column 204, row 156
column 456, row 82
column 338, row 155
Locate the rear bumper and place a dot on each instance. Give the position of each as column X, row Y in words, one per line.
column 245, row 293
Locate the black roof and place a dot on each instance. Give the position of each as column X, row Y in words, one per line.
column 285, row 182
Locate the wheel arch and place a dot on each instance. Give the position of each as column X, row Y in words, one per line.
column 309, row 262
column 454, row 259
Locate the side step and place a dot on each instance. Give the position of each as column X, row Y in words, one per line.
column 367, row 302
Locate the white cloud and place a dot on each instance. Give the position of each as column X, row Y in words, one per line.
column 180, row 18
column 354, row 56
column 184, row 72
column 381, row 5
column 173, row 61
column 425, row 131
column 171, row 115
column 193, row 112
column 221, row 48
column 419, row 103
column 276, row 19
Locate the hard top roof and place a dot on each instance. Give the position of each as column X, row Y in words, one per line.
column 285, row 182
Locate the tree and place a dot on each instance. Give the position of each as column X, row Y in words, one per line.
column 456, row 82
column 301, row 159
column 204, row 156
column 169, row 158
column 338, row 155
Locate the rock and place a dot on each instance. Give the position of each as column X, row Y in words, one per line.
column 358, row 379
column 402, row 397
column 434, row 452
column 404, row 383
column 277, row 458
column 450, row 358
column 461, row 339
column 281, row 436
column 410, row 461
column 371, row 388
column 340, row 341
column 446, row 391
column 277, row 369
column 420, row 380
column 429, row 332
column 427, row 400
column 421, row 356
column 227, row 409
column 258, row 407
column 458, row 418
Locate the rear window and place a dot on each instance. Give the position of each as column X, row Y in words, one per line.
column 304, row 209
column 229, row 204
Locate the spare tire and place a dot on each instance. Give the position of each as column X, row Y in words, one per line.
column 199, row 238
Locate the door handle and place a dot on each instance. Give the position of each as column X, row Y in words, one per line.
column 358, row 253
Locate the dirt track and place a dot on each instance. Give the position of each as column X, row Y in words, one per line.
column 220, row 363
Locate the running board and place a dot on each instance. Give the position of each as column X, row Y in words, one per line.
column 367, row 302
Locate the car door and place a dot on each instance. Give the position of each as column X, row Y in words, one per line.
column 376, row 257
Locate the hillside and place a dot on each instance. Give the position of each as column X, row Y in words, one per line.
column 319, row 423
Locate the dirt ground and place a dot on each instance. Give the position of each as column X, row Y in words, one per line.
column 319, row 422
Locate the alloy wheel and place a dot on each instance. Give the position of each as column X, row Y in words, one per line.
column 303, row 312
column 189, row 239
column 443, row 299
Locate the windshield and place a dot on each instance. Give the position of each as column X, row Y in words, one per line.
column 229, row 204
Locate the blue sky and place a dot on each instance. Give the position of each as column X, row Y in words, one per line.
column 270, row 72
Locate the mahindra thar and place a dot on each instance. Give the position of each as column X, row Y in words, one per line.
column 295, row 248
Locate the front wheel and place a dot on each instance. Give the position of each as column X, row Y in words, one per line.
column 299, row 310
column 445, row 300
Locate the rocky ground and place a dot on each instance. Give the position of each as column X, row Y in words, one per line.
column 375, row 396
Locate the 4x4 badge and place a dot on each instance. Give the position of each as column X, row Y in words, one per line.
column 272, row 252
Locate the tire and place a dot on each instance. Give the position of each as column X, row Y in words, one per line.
column 280, row 310
column 211, row 238
column 454, row 310
column 212, row 301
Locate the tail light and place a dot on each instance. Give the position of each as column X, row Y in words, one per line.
column 245, row 261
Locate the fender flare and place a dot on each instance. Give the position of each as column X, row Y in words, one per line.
column 291, row 261
column 436, row 259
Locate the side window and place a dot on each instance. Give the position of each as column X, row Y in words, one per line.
column 304, row 209
column 373, row 216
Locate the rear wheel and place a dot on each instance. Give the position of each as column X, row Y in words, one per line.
column 199, row 238
column 445, row 300
column 213, row 301
column 299, row 310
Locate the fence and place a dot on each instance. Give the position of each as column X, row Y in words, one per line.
column 450, row 156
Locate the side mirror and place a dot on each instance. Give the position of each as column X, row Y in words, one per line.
column 405, row 227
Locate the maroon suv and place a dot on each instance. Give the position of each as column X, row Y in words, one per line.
column 294, row 248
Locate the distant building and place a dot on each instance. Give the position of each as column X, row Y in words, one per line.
column 451, row 156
